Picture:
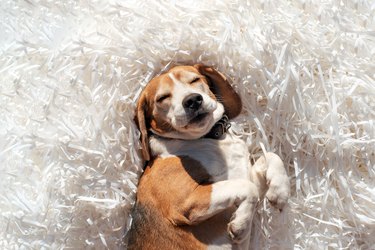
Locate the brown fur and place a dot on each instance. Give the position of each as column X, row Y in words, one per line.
column 168, row 207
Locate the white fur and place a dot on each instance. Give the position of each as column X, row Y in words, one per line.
column 223, row 159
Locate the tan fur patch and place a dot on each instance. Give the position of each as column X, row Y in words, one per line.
column 168, row 189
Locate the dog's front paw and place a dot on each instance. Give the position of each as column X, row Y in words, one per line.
column 239, row 226
column 238, row 232
column 278, row 191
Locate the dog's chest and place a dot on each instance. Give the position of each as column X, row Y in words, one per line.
column 223, row 159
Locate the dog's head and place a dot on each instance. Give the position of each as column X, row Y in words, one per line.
column 184, row 103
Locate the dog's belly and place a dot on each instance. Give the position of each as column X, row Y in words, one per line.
column 223, row 159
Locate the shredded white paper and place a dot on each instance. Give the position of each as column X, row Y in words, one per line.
column 71, row 72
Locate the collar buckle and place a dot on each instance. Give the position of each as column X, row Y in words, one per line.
column 220, row 128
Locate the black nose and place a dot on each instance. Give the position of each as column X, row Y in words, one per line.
column 192, row 102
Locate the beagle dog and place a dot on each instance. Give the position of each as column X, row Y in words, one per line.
column 198, row 190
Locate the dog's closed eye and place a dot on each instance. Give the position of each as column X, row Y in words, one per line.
column 196, row 79
column 163, row 97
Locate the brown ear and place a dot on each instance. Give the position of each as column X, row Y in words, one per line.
column 140, row 120
column 222, row 90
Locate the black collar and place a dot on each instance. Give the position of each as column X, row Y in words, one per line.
column 220, row 128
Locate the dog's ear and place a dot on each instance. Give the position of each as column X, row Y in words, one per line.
column 140, row 120
column 223, row 91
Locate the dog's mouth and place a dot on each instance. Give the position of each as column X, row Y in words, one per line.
column 196, row 124
column 199, row 117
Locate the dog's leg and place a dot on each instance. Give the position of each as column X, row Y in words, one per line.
column 269, row 175
column 220, row 196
